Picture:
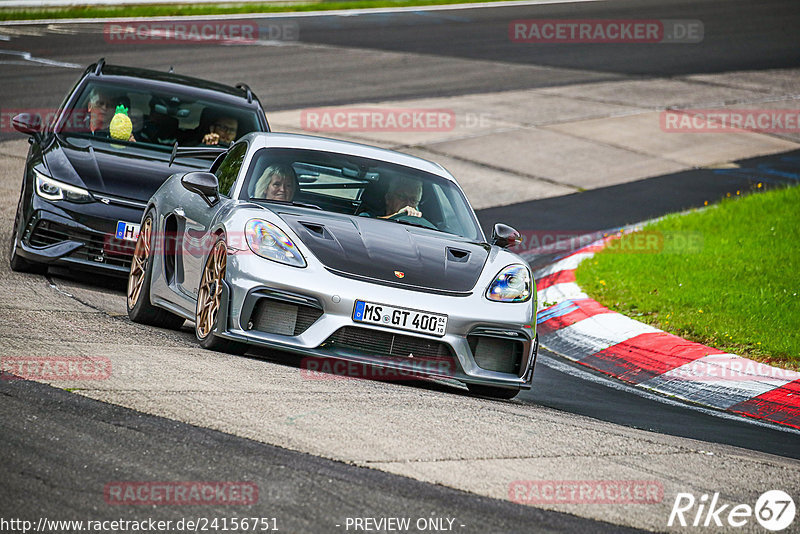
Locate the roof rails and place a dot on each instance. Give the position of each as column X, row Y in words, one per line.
column 244, row 87
column 98, row 68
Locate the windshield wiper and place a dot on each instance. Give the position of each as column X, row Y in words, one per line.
column 418, row 225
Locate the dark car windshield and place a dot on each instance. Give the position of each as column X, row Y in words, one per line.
column 110, row 113
column 359, row 186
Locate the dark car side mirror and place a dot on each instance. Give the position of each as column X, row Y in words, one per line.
column 27, row 124
column 504, row 236
column 204, row 184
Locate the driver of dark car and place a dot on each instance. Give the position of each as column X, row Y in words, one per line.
column 101, row 109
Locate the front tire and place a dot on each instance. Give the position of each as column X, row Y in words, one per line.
column 15, row 261
column 209, row 300
column 492, row 392
column 140, row 310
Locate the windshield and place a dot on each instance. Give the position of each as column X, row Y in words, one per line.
column 362, row 187
column 114, row 113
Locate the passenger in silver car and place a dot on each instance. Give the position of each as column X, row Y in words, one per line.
column 277, row 182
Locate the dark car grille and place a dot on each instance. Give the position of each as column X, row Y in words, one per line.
column 389, row 345
column 283, row 318
column 99, row 248
column 496, row 354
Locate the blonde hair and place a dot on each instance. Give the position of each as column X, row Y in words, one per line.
column 262, row 184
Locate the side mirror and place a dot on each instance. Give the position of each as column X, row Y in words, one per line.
column 204, row 184
column 27, row 124
column 504, row 236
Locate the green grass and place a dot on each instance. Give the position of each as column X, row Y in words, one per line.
column 736, row 287
column 209, row 9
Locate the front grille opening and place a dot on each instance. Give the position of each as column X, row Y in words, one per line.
column 46, row 234
column 496, row 354
column 98, row 248
column 282, row 318
column 389, row 345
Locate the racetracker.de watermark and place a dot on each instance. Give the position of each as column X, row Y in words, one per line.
column 641, row 242
column 181, row 493
column 200, row 32
column 586, row 491
column 605, row 31
column 55, row 368
column 377, row 120
column 317, row 368
column 730, row 120
column 77, row 122
column 724, row 367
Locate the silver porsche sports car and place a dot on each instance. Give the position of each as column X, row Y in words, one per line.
column 339, row 252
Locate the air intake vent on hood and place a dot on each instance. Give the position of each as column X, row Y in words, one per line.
column 454, row 254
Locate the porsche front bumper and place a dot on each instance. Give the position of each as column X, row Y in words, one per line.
column 310, row 311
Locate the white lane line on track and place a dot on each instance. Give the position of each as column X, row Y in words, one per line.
column 27, row 57
column 298, row 14
column 568, row 369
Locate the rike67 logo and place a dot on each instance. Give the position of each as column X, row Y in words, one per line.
column 774, row 510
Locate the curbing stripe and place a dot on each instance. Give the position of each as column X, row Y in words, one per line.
column 581, row 329
column 781, row 405
column 596, row 334
column 569, row 263
column 701, row 380
column 555, row 278
column 646, row 356
column 567, row 313
column 559, row 293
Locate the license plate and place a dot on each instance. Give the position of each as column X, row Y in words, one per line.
column 424, row 322
column 127, row 231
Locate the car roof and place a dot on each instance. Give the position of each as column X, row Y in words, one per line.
column 188, row 85
column 311, row 142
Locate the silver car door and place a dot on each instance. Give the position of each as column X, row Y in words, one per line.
column 198, row 217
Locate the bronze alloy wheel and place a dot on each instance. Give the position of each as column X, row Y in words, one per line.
column 210, row 292
column 141, row 256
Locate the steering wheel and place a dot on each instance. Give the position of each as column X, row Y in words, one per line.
column 418, row 221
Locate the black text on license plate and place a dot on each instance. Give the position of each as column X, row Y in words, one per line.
column 433, row 324
column 127, row 231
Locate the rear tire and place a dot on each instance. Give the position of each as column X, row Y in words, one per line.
column 209, row 299
column 140, row 310
column 15, row 261
column 492, row 392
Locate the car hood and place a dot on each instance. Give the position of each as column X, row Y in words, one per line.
column 385, row 251
column 131, row 172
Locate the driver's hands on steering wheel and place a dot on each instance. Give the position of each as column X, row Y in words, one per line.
column 408, row 210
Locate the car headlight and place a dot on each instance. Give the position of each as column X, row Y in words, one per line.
column 269, row 241
column 50, row 189
column 512, row 284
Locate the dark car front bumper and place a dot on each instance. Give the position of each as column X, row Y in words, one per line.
column 75, row 235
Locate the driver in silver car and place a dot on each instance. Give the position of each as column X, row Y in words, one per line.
column 402, row 198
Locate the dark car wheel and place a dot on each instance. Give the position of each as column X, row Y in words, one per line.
column 493, row 392
column 140, row 310
column 15, row 261
column 209, row 299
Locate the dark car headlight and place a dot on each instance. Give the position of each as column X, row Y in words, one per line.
column 270, row 242
column 50, row 189
column 512, row 284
